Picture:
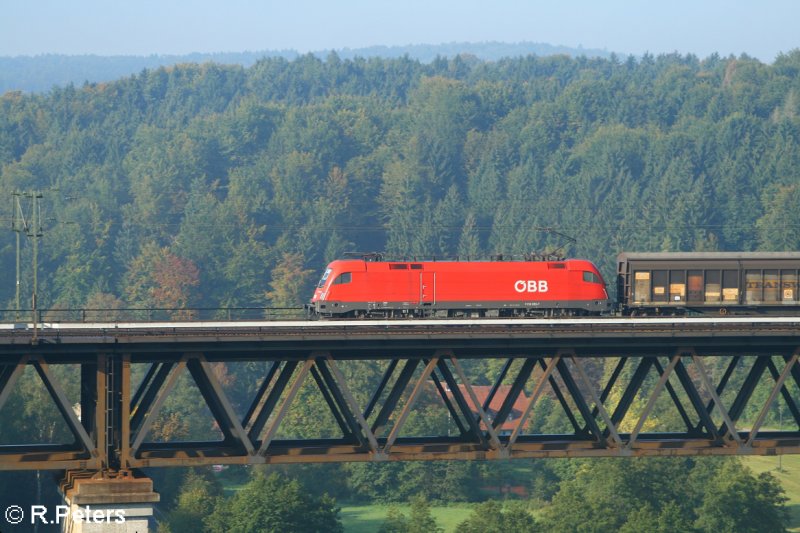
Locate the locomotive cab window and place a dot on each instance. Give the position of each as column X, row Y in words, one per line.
column 591, row 277
column 344, row 277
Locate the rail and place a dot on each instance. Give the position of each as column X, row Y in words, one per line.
column 142, row 314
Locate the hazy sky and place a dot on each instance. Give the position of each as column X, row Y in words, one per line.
column 761, row 28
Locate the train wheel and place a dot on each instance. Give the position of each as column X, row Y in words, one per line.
column 723, row 311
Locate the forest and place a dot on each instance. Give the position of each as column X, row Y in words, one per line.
column 215, row 186
column 41, row 73
column 212, row 186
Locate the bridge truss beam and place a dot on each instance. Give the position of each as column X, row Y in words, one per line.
column 608, row 403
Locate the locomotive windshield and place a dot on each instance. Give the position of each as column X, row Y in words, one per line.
column 324, row 278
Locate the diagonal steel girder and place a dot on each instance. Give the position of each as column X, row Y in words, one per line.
column 9, row 375
column 673, row 394
column 790, row 364
column 537, row 391
column 255, row 437
column 474, row 429
column 651, row 402
column 787, row 396
column 616, row 441
column 334, row 404
column 703, row 411
column 729, row 426
column 451, row 409
column 218, row 404
column 562, row 371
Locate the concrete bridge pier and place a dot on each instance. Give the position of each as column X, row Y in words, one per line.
column 108, row 503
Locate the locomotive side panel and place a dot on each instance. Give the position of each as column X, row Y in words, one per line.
column 522, row 285
column 444, row 288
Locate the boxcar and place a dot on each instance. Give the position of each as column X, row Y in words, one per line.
column 378, row 288
column 708, row 282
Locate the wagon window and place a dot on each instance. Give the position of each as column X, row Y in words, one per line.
column 789, row 285
column 752, row 286
column 641, row 287
column 695, row 286
column 660, row 281
column 398, row 266
column 677, row 286
column 344, row 277
column 713, row 286
column 730, row 285
column 771, row 286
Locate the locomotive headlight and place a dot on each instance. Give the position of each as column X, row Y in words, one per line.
column 323, row 296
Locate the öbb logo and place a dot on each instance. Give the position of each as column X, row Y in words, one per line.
column 531, row 285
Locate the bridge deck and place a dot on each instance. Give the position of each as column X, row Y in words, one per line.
column 346, row 339
column 663, row 360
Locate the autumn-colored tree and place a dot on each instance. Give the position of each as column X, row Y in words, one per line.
column 102, row 306
column 157, row 278
column 289, row 280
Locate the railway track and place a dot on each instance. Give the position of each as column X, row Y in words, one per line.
column 603, row 334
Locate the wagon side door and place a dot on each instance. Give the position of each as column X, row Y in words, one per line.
column 427, row 287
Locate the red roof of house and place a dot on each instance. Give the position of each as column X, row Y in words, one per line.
column 482, row 392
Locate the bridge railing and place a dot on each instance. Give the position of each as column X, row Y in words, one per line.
column 139, row 314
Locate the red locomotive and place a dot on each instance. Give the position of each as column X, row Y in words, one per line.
column 372, row 287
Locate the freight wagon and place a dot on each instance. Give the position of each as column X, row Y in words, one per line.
column 717, row 283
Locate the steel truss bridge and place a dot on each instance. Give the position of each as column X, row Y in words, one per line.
column 608, row 377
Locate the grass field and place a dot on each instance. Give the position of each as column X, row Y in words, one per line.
column 368, row 518
column 789, row 477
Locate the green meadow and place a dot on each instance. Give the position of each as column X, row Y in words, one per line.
column 368, row 518
column 789, row 476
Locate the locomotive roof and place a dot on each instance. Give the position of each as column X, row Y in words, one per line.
column 379, row 257
column 504, row 259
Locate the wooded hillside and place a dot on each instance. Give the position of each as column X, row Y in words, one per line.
column 208, row 185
